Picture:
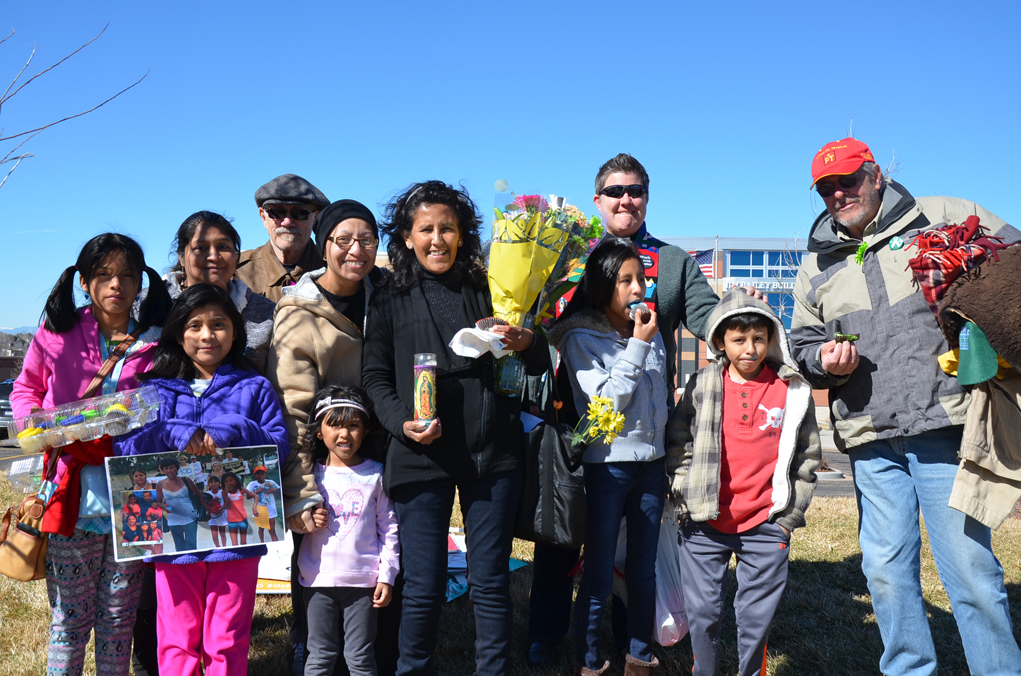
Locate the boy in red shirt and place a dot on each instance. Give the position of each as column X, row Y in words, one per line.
column 742, row 450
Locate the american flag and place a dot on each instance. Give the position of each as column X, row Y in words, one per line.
column 704, row 260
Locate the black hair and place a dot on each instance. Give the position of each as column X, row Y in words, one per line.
column 597, row 285
column 232, row 475
column 622, row 164
column 371, row 444
column 60, row 311
column 167, row 462
column 743, row 322
column 193, row 223
column 170, row 360
column 399, row 217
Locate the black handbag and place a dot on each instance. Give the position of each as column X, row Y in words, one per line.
column 553, row 507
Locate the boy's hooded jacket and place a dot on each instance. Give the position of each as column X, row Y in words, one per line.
column 239, row 408
column 631, row 372
column 694, row 434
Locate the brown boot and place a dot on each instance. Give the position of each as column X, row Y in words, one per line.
column 636, row 667
column 585, row 671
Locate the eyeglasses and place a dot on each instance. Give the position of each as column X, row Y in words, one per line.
column 617, row 191
column 347, row 242
column 846, row 182
column 281, row 214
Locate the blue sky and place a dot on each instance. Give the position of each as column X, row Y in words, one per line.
column 724, row 103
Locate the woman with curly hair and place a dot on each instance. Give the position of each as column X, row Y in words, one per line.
column 438, row 287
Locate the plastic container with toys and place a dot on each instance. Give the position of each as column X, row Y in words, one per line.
column 85, row 420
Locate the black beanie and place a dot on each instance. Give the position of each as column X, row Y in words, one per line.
column 339, row 211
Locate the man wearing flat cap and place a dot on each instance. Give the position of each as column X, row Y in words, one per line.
column 895, row 412
column 287, row 205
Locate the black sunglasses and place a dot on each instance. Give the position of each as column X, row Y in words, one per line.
column 846, row 182
column 617, row 191
column 295, row 214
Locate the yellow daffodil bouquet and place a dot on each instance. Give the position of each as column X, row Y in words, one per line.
column 530, row 238
column 600, row 419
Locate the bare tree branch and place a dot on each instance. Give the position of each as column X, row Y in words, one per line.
column 894, row 166
column 6, row 97
column 13, row 168
column 8, row 37
column 18, row 76
column 71, row 117
column 15, row 149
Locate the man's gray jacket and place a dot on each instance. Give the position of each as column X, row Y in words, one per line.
column 898, row 388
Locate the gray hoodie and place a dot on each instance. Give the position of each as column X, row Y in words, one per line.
column 631, row 372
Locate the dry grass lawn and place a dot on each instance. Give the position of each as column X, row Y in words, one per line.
column 824, row 625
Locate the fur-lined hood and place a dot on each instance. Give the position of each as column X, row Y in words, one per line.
column 586, row 318
column 736, row 301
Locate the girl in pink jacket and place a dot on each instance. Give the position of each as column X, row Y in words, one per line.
column 65, row 355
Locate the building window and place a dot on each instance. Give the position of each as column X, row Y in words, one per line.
column 783, row 306
column 763, row 264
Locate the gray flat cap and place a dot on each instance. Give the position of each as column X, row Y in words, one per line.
column 290, row 189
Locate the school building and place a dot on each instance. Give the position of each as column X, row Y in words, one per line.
column 769, row 264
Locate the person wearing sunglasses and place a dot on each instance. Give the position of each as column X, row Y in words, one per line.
column 680, row 294
column 288, row 206
column 317, row 341
column 896, row 414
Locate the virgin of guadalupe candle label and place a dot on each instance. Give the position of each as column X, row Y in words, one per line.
column 425, row 387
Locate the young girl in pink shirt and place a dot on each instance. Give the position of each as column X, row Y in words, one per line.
column 234, row 495
column 348, row 564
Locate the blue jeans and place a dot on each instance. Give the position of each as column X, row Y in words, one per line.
column 636, row 491
column 488, row 506
column 892, row 479
column 185, row 536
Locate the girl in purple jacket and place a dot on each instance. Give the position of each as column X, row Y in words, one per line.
column 209, row 398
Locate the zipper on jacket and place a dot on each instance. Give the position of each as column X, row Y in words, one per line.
column 490, row 382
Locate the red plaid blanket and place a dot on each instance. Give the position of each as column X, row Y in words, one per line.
column 946, row 252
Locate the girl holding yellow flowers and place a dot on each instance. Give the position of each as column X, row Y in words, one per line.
column 617, row 368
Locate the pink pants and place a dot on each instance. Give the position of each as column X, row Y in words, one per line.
column 204, row 614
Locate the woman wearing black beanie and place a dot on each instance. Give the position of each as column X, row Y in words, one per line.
column 317, row 340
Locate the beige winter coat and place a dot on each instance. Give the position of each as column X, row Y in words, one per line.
column 313, row 345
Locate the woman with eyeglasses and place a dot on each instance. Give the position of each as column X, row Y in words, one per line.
column 317, row 340
column 439, row 286
column 207, row 248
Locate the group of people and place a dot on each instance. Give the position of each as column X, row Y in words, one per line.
column 306, row 345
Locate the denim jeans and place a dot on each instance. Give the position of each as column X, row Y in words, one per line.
column 636, row 491
column 549, row 602
column 185, row 536
column 488, row 506
column 893, row 478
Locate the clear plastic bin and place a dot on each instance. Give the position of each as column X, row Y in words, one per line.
column 85, row 420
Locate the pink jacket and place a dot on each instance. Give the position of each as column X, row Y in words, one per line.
column 59, row 367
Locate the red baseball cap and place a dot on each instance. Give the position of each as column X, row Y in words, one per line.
column 260, row 468
column 839, row 158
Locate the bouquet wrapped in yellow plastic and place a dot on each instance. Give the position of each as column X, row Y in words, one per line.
column 535, row 247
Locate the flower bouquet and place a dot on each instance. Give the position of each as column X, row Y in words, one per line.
column 600, row 419
column 532, row 243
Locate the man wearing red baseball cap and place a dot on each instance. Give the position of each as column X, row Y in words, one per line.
column 895, row 412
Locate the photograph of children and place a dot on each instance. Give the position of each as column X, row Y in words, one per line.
column 267, row 490
column 173, row 506
column 137, row 529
